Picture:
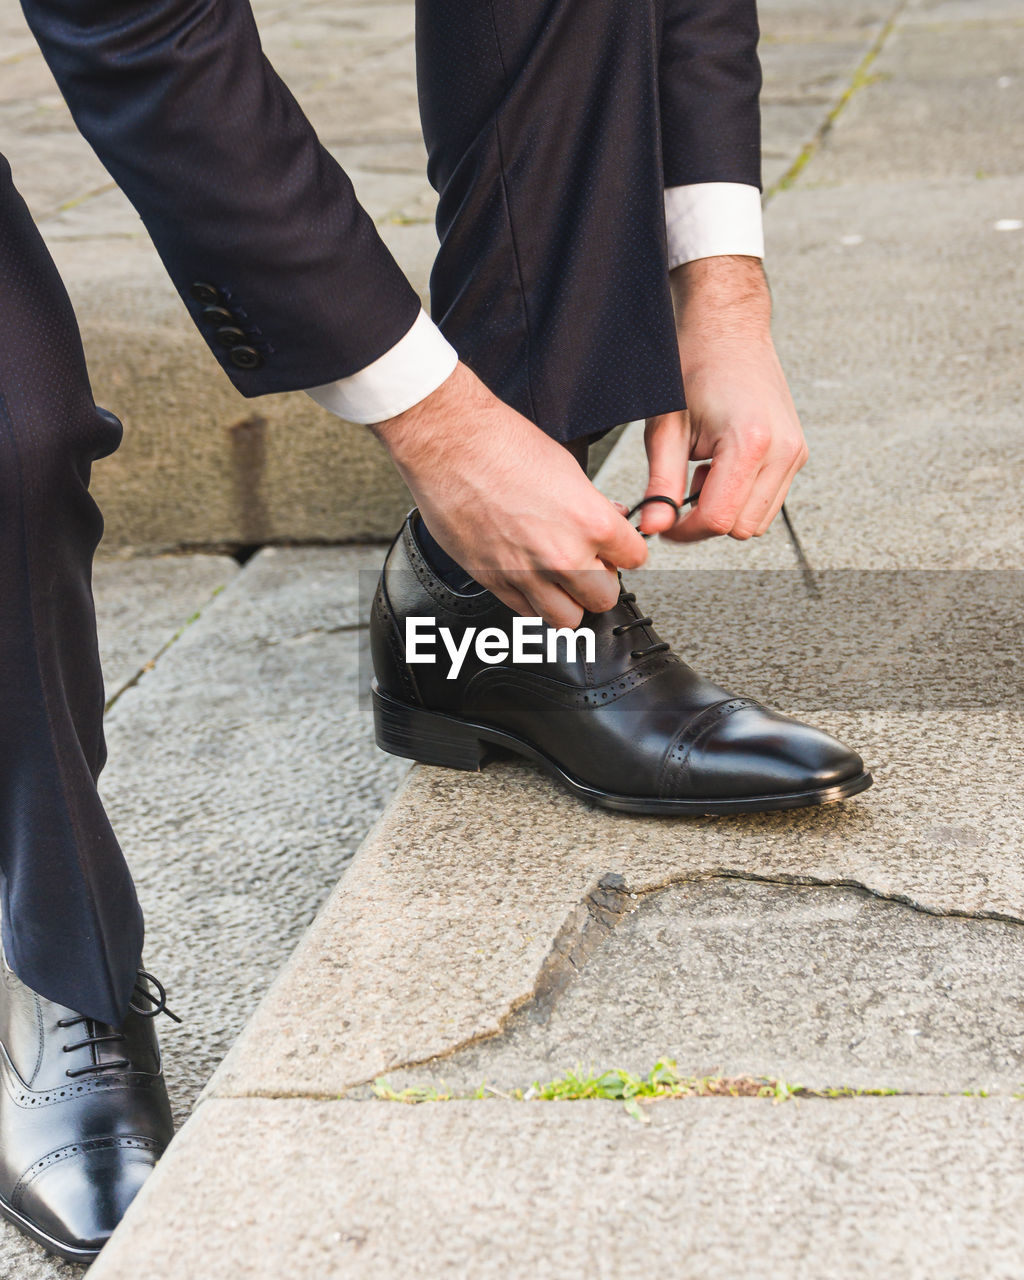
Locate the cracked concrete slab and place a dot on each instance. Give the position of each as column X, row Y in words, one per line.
column 826, row 988
column 711, row 1189
column 446, row 917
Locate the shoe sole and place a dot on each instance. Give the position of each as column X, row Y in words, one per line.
column 52, row 1245
column 431, row 737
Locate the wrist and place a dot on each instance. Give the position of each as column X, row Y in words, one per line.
column 422, row 427
column 725, row 292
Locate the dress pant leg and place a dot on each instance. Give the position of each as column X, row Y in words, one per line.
column 542, row 124
column 72, row 928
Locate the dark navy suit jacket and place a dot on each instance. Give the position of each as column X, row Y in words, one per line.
column 284, row 272
column 197, row 129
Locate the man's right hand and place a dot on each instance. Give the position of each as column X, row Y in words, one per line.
column 509, row 504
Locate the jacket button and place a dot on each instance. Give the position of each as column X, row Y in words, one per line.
column 230, row 336
column 218, row 315
column 246, row 357
column 207, row 293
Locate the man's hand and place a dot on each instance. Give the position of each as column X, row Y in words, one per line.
column 741, row 421
column 509, row 504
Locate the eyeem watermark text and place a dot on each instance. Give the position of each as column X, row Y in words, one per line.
column 532, row 640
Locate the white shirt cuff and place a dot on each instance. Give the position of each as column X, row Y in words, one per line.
column 712, row 219
column 414, row 367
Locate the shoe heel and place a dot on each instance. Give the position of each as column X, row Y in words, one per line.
column 426, row 736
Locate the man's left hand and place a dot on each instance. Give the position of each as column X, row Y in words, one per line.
column 740, row 423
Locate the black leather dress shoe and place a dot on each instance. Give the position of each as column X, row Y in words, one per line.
column 635, row 729
column 84, row 1116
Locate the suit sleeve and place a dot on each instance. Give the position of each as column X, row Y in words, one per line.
column 710, row 84
column 259, row 228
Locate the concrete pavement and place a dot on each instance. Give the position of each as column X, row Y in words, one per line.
column 491, row 930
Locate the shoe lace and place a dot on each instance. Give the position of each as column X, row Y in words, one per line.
column 660, row 647
column 93, row 1037
column 630, row 597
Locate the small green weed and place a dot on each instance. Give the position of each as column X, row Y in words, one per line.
column 616, row 1085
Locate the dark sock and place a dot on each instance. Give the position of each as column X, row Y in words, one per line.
column 450, row 573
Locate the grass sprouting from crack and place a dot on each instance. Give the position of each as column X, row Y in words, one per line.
column 663, row 1081
column 862, row 78
column 148, row 666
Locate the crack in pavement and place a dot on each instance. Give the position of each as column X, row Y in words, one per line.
column 598, row 914
column 858, row 80
column 795, row 1093
column 146, row 667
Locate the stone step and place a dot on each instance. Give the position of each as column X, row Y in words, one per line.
column 143, row 605
column 241, row 780
column 710, row 1189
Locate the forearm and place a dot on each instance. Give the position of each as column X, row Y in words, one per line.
column 721, row 303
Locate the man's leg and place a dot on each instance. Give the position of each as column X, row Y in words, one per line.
column 71, row 923
column 542, row 122
column 84, row 1114
column 541, row 119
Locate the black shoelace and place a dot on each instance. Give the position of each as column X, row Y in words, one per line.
column 157, row 1005
column 805, row 567
column 676, row 507
column 630, row 597
column 660, row 647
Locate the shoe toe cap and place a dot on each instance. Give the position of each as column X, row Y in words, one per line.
column 758, row 752
column 80, row 1196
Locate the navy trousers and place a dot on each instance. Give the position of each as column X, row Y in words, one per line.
column 552, row 127
column 72, row 928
